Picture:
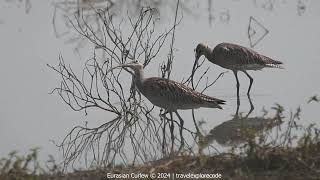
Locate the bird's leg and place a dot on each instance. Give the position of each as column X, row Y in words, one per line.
column 238, row 86
column 164, row 143
column 248, row 94
column 251, row 81
column 171, row 131
column 181, row 129
column 251, row 106
column 171, row 126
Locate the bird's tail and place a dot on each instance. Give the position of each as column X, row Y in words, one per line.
column 272, row 63
column 212, row 102
column 274, row 66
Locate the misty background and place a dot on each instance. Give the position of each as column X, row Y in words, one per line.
column 31, row 117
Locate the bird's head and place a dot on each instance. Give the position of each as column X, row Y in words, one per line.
column 200, row 50
column 134, row 65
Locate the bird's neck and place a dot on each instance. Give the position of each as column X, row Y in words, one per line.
column 139, row 77
column 207, row 53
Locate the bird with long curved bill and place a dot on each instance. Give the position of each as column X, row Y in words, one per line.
column 236, row 58
column 168, row 94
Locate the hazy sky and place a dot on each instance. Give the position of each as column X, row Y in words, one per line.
column 30, row 117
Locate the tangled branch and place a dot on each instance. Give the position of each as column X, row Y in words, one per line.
column 133, row 134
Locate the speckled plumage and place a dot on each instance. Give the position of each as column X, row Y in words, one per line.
column 236, row 57
column 169, row 94
column 172, row 95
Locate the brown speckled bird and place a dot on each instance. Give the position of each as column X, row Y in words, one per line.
column 168, row 94
column 236, row 58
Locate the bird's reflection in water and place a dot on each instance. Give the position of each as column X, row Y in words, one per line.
column 238, row 129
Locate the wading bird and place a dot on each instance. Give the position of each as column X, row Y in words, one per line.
column 168, row 94
column 236, row 58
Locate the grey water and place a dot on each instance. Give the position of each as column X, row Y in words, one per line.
column 30, row 117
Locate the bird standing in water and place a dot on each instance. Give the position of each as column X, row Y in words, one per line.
column 236, row 58
column 168, row 94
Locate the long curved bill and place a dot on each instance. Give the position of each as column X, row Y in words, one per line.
column 111, row 69
column 194, row 65
column 119, row 66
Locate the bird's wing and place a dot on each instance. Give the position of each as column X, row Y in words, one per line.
column 176, row 92
column 242, row 55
